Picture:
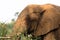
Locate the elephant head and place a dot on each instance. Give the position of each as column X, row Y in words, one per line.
column 37, row 20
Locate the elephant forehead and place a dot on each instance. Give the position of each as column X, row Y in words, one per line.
column 34, row 8
column 47, row 6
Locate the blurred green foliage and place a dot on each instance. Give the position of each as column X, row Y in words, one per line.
column 6, row 29
column 3, row 29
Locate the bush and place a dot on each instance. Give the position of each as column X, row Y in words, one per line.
column 6, row 29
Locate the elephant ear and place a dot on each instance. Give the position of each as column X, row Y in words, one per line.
column 49, row 22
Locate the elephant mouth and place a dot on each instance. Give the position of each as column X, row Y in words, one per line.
column 30, row 32
column 32, row 27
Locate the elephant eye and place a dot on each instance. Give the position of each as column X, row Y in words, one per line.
column 34, row 12
column 42, row 12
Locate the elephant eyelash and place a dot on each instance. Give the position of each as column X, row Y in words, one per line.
column 35, row 12
column 41, row 13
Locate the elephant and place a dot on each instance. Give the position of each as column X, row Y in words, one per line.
column 39, row 20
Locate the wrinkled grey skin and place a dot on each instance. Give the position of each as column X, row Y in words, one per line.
column 39, row 20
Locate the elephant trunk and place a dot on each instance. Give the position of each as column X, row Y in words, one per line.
column 20, row 24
